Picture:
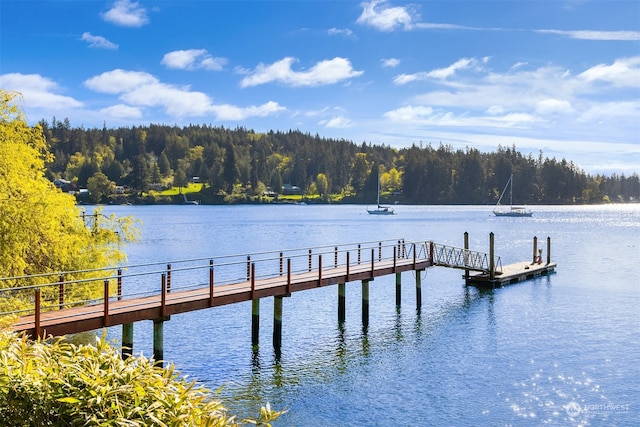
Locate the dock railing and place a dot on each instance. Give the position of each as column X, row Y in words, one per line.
column 62, row 290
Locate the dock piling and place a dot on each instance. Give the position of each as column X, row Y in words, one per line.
column 158, row 338
column 365, row 304
column 127, row 340
column 277, row 323
column 342, row 305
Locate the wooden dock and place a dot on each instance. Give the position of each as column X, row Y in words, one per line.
column 189, row 285
column 512, row 273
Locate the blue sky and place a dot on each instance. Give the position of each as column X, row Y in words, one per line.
column 552, row 75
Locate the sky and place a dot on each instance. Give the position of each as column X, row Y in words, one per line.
column 552, row 76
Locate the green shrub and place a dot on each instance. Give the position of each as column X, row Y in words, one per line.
column 63, row 384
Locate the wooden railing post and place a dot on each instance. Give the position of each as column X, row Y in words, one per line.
column 288, row 275
column 348, row 265
column 394, row 258
column 310, row 260
column 358, row 254
column 335, row 257
column 106, row 303
column 210, row 283
column 248, row 267
column 373, row 262
column 379, row 251
column 119, row 284
column 281, row 260
column 163, row 296
column 37, row 313
column 319, row 270
column 168, row 278
column 61, row 292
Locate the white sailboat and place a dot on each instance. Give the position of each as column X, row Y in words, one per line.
column 380, row 210
column 515, row 211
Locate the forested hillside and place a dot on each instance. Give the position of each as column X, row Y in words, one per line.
column 237, row 165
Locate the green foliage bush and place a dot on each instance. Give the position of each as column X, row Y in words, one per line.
column 63, row 384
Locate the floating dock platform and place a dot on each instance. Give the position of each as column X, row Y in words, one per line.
column 512, row 273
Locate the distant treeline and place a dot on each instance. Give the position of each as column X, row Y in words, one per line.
column 242, row 165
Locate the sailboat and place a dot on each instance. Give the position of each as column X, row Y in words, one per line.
column 513, row 210
column 380, row 210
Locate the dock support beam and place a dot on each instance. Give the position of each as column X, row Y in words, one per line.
column 255, row 323
column 419, row 289
column 127, row 340
column 365, row 304
column 466, row 260
column 342, row 304
column 158, row 338
column 492, row 265
column 277, row 323
column 398, row 289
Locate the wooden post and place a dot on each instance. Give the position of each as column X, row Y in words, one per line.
column 310, row 262
column 418, row 289
column 248, row 267
column 395, row 251
column 348, row 266
column 277, row 323
column 288, row 275
column 335, row 257
column 255, row 311
column 37, row 313
column 127, row 340
column 119, row 284
column 61, row 292
column 398, row 289
column 373, row 264
column 548, row 250
column 158, row 338
column 535, row 249
column 255, row 323
column 211, row 283
column 342, row 305
column 319, row 270
column 492, row 266
column 281, row 261
column 106, row 303
column 163, row 296
column 466, row 256
column 168, row 277
column 379, row 251
column 358, row 253
column 365, row 304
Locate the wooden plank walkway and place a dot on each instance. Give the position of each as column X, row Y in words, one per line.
column 512, row 273
column 118, row 312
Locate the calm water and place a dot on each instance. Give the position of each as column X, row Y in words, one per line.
column 557, row 350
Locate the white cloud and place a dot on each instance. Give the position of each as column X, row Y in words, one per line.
column 38, row 91
column 340, row 32
column 98, row 41
column 339, row 122
column 554, row 106
column 140, row 89
column 623, row 72
column 439, row 73
column 596, row 35
column 119, row 81
column 231, row 112
column 122, row 111
column 322, row 73
column 390, row 62
column 385, row 18
column 192, row 59
column 126, row 13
